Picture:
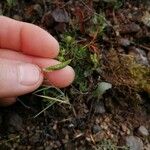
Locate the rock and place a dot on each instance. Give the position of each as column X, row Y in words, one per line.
column 96, row 129
column 134, row 143
column 124, row 42
column 129, row 28
column 99, row 107
column 60, row 15
column 143, row 131
column 140, row 55
column 13, row 122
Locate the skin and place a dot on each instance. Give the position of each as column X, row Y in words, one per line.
column 24, row 50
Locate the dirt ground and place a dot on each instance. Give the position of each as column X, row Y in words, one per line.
column 121, row 119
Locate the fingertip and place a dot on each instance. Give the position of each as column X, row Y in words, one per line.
column 27, row 38
column 61, row 78
column 18, row 78
column 56, row 48
column 38, row 42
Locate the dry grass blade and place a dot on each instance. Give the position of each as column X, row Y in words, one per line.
column 60, row 98
column 48, row 98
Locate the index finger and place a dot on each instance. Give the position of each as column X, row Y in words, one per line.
column 27, row 38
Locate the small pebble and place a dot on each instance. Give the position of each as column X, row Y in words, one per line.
column 99, row 108
column 60, row 15
column 134, row 143
column 129, row 28
column 140, row 55
column 143, row 131
column 96, row 129
column 124, row 42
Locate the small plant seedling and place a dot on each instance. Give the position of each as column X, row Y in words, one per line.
column 57, row 67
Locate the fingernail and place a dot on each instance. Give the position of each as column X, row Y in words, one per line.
column 28, row 74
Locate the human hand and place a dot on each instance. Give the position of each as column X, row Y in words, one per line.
column 24, row 50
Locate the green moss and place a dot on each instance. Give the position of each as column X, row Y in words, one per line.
column 126, row 71
column 107, row 144
column 141, row 75
column 11, row 3
column 83, row 61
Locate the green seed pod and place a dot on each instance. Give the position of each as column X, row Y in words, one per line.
column 57, row 67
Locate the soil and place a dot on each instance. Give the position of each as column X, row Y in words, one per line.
column 85, row 124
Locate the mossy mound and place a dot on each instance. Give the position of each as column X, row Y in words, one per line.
column 124, row 70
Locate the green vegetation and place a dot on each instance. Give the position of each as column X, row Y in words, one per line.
column 84, row 57
column 109, row 145
column 141, row 75
column 100, row 108
column 11, row 3
column 83, row 61
column 57, row 67
column 97, row 26
column 116, row 4
column 120, row 71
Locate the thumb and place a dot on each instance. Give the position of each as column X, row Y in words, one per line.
column 18, row 78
